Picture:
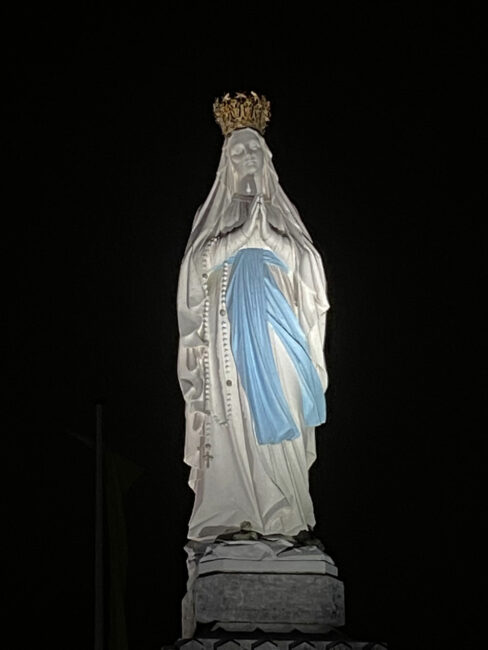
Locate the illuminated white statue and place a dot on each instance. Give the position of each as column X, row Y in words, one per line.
column 251, row 310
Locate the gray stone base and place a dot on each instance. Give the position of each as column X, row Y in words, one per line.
column 270, row 602
column 300, row 607
column 251, row 642
column 270, row 585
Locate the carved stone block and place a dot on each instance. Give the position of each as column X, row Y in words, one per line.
column 279, row 602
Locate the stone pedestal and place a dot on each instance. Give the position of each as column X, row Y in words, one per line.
column 266, row 595
column 256, row 642
column 271, row 602
column 271, row 584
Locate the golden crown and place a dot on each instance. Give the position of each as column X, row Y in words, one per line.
column 242, row 110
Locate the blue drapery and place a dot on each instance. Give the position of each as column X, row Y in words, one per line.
column 254, row 301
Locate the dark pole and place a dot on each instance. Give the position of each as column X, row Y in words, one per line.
column 99, row 531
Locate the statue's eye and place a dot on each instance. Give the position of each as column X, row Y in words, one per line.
column 237, row 150
column 254, row 145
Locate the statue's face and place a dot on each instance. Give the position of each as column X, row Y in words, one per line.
column 246, row 153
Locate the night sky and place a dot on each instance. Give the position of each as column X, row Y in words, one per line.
column 113, row 146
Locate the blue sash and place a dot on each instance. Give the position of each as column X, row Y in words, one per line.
column 254, row 301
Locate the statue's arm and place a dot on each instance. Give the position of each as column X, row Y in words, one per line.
column 190, row 300
column 311, row 291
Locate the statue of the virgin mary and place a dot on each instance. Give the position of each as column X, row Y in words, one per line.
column 251, row 311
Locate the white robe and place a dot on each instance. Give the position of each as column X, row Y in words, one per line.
column 235, row 479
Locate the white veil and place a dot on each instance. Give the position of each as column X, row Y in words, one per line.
column 213, row 218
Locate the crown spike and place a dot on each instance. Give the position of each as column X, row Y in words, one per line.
column 243, row 110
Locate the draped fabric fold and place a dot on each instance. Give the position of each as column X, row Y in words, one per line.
column 254, row 303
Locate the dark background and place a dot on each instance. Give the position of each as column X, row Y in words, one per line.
column 113, row 146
